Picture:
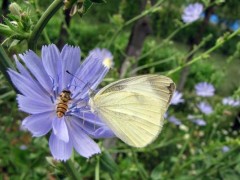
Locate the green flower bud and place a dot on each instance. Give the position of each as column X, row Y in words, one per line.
column 15, row 9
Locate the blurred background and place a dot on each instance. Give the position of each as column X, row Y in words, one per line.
column 200, row 138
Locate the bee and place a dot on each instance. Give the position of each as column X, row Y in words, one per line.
column 62, row 105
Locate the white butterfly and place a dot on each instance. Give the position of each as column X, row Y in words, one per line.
column 134, row 107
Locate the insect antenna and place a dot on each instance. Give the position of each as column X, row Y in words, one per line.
column 91, row 91
column 91, row 94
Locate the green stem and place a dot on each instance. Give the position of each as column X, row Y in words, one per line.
column 97, row 169
column 217, row 162
column 71, row 170
column 152, row 64
column 46, row 36
column 144, row 13
column 5, row 30
column 214, row 130
column 5, row 63
column 176, row 165
column 197, row 47
column 149, row 149
column 7, row 95
column 205, row 54
column 163, row 42
column 4, row 59
column 38, row 28
column 141, row 170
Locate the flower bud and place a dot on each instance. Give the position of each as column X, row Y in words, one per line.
column 15, row 9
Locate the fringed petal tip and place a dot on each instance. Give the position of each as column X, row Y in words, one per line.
column 25, row 53
column 60, row 159
column 96, row 153
column 71, row 46
column 49, row 45
column 59, row 149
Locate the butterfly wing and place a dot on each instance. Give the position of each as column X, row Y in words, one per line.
column 134, row 107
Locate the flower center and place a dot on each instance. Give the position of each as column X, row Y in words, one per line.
column 63, row 101
column 107, row 62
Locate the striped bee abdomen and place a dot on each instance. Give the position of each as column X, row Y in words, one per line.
column 62, row 105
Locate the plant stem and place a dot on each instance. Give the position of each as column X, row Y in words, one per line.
column 205, row 54
column 5, row 30
column 5, row 60
column 38, row 28
column 97, row 169
column 163, row 42
column 152, row 64
column 141, row 170
column 217, row 161
column 149, row 149
column 7, row 95
column 144, row 13
column 5, row 63
column 46, row 36
column 71, row 170
column 176, row 165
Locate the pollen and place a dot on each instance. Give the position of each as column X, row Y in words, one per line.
column 108, row 62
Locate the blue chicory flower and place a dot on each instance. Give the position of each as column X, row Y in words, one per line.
column 196, row 120
column 235, row 25
column 192, row 12
column 199, row 122
column 204, row 89
column 174, row 120
column 229, row 101
column 165, row 115
column 23, row 147
column 177, row 98
column 41, row 84
column 205, row 108
column 214, row 19
column 225, row 149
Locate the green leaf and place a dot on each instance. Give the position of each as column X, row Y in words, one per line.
column 237, row 168
column 5, row 30
column 14, row 43
column 156, row 172
column 51, row 161
column 229, row 174
column 83, row 9
column 107, row 163
column 11, row 25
